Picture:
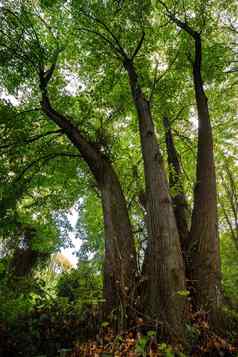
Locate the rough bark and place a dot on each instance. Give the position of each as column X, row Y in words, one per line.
column 180, row 204
column 120, row 247
column 165, row 273
column 204, row 241
column 120, row 256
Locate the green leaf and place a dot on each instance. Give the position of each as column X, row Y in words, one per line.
column 184, row 293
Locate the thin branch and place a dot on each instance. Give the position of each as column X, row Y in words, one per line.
column 179, row 113
column 19, row 56
column 48, row 27
column 104, row 38
column 181, row 24
column 28, row 111
column 231, row 192
column 138, row 47
column 228, row 221
column 154, row 83
column 41, row 50
column 120, row 49
column 184, row 10
column 233, row 206
column 157, row 79
column 46, row 158
column 24, row 29
column 231, row 27
column 186, row 140
column 32, row 139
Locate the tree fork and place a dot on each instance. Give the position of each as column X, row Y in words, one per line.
column 204, row 240
column 165, row 273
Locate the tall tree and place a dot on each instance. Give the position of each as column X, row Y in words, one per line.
column 120, row 255
column 203, row 241
column 165, row 272
column 83, row 54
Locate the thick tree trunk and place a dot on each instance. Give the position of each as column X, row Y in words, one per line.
column 120, row 257
column 120, row 247
column 180, row 204
column 204, row 242
column 165, row 273
column 110, row 289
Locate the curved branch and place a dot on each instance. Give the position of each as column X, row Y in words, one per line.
column 181, row 24
column 120, row 49
column 104, row 38
column 46, row 158
column 32, row 139
column 28, row 111
column 157, row 79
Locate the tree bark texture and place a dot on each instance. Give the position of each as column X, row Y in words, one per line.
column 120, row 257
column 165, row 273
column 180, row 204
column 204, row 241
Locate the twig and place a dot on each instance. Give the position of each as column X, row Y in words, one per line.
column 46, row 158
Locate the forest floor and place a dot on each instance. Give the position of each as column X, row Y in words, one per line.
column 136, row 344
column 45, row 335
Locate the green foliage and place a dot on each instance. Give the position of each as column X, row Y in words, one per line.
column 184, row 293
column 141, row 345
column 81, row 286
column 42, row 174
column 42, row 314
column 229, row 256
column 18, row 296
column 166, row 350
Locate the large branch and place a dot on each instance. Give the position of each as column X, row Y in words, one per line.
column 113, row 40
column 46, row 75
column 181, row 24
column 198, row 45
column 93, row 157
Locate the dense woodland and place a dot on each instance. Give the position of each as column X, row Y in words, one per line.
column 125, row 110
